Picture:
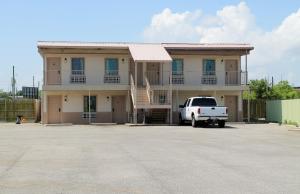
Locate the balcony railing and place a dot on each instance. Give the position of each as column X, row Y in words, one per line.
column 177, row 77
column 111, row 77
column 77, row 77
column 155, row 78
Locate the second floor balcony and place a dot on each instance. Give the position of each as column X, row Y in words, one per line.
column 114, row 78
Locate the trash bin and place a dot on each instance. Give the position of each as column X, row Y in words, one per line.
column 19, row 119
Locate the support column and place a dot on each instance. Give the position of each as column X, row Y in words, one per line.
column 136, row 90
column 171, row 93
column 246, row 68
column 89, row 107
column 128, row 106
column 249, row 91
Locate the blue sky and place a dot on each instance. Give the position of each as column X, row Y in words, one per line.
column 23, row 23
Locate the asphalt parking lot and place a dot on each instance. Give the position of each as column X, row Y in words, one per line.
column 257, row 158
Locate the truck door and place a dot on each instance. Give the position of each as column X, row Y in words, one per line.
column 188, row 110
column 183, row 110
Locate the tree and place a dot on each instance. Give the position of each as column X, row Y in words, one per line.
column 4, row 94
column 260, row 89
column 283, row 90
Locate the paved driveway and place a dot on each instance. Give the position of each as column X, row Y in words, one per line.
column 121, row 159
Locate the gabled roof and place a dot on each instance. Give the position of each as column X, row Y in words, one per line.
column 149, row 52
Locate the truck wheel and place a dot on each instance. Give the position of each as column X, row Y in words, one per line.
column 221, row 124
column 181, row 122
column 194, row 122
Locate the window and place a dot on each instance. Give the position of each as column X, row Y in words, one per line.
column 77, row 66
column 111, row 66
column 177, row 67
column 188, row 102
column 209, row 67
column 184, row 105
column 204, row 102
column 87, row 105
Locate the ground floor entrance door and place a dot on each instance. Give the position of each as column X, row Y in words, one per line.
column 232, row 103
column 119, row 109
column 54, row 109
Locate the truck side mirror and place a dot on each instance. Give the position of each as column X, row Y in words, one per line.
column 181, row 106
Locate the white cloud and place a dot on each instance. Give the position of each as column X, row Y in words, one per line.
column 172, row 26
column 276, row 51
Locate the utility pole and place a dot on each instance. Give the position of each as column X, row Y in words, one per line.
column 13, row 84
column 14, row 91
column 272, row 81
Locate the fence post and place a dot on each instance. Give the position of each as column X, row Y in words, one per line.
column 5, row 110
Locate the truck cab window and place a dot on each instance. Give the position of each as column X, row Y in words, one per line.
column 188, row 102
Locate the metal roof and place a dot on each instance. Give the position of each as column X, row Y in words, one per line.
column 126, row 45
column 149, row 52
column 207, row 46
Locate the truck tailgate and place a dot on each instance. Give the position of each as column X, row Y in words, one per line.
column 217, row 111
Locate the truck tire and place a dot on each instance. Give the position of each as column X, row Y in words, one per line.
column 181, row 122
column 194, row 122
column 221, row 124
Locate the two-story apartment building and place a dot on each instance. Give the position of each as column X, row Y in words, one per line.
column 87, row 82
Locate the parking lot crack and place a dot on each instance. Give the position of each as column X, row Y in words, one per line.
column 13, row 164
column 150, row 174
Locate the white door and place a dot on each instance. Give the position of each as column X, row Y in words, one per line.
column 188, row 110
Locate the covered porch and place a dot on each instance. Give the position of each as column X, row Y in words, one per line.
column 150, row 87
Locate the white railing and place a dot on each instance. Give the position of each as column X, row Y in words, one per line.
column 133, row 90
column 149, row 91
column 111, row 77
column 177, row 77
column 159, row 96
column 77, row 77
column 155, row 78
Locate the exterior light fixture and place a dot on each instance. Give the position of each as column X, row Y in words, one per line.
column 66, row 98
column 66, row 60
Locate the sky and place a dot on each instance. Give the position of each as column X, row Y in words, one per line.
column 272, row 27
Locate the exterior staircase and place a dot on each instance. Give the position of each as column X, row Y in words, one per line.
column 141, row 97
column 151, row 98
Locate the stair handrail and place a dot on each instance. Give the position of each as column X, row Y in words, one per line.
column 133, row 89
column 149, row 91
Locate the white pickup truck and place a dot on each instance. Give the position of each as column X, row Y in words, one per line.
column 203, row 111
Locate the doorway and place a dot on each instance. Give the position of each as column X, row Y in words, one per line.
column 232, row 103
column 119, row 109
column 54, row 109
column 53, row 71
column 153, row 73
column 232, row 74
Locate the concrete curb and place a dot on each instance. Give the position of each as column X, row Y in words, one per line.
column 59, row 125
column 147, row 125
column 103, row 124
